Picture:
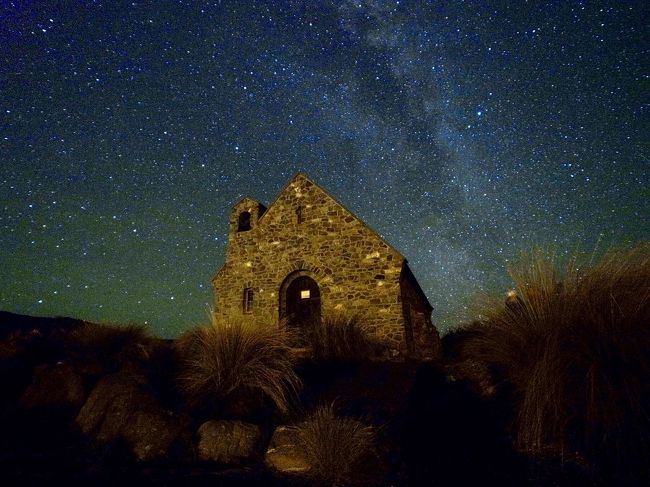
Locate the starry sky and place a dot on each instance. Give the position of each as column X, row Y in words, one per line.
column 463, row 132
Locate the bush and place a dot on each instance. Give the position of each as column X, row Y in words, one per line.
column 573, row 345
column 96, row 348
column 333, row 445
column 340, row 338
column 226, row 357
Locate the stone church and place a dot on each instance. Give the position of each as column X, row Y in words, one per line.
column 306, row 255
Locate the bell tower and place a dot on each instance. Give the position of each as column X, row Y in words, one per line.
column 243, row 224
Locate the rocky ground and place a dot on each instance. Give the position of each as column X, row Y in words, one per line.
column 77, row 417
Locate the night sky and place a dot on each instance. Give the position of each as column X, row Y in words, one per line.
column 463, row 132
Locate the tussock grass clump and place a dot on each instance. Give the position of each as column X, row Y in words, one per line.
column 98, row 348
column 573, row 343
column 339, row 337
column 228, row 356
column 334, row 445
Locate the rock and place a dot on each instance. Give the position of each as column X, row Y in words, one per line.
column 150, row 433
column 111, row 397
column 229, row 442
column 54, row 386
column 121, row 408
column 284, row 455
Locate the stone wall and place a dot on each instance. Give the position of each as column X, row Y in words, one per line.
column 356, row 271
column 423, row 341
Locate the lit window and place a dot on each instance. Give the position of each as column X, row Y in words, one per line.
column 304, row 294
column 248, row 300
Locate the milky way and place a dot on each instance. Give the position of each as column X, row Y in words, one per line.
column 463, row 132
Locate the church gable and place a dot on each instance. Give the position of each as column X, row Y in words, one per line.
column 316, row 214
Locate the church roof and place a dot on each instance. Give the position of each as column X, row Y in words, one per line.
column 333, row 198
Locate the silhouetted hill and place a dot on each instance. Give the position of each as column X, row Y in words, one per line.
column 12, row 322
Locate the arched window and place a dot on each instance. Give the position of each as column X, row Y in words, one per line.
column 244, row 221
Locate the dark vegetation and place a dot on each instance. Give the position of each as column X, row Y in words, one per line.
column 334, row 445
column 340, row 338
column 227, row 359
column 548, row 387
column 569, row 352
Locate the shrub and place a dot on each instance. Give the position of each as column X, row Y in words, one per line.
column 98, row 348
column 340, row 338
column 334, row 445
column 573, row 344
column 226, row 357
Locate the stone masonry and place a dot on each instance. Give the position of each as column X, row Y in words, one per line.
column 305, row 233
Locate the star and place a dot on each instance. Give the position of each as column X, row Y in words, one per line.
column 462, row 133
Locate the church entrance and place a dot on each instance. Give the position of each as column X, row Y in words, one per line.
column 300, row 300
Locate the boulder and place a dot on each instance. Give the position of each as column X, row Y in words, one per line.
column 283, row 454
column 54, row 386
column 229, row 442
column 150, row 433
column 121, row 408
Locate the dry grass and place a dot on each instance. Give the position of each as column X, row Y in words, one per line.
column 225, row 357
column 334, row 445
column 574, row 344
column 98, row 348
column 339, row 337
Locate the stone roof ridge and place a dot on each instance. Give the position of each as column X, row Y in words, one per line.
column 300, row 174
column 241, row 200
column 216, row 274
column 286, row 185
column 409, row 274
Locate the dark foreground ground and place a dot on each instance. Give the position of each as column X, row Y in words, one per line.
column 432, row 430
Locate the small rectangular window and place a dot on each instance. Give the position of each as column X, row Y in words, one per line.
column 248, row 300
column 304, row 294
column 299, row 218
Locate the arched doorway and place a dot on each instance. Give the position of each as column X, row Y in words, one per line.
column 300, row 300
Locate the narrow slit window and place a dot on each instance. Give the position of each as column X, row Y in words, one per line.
column 248, row 300
column 299, row 218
